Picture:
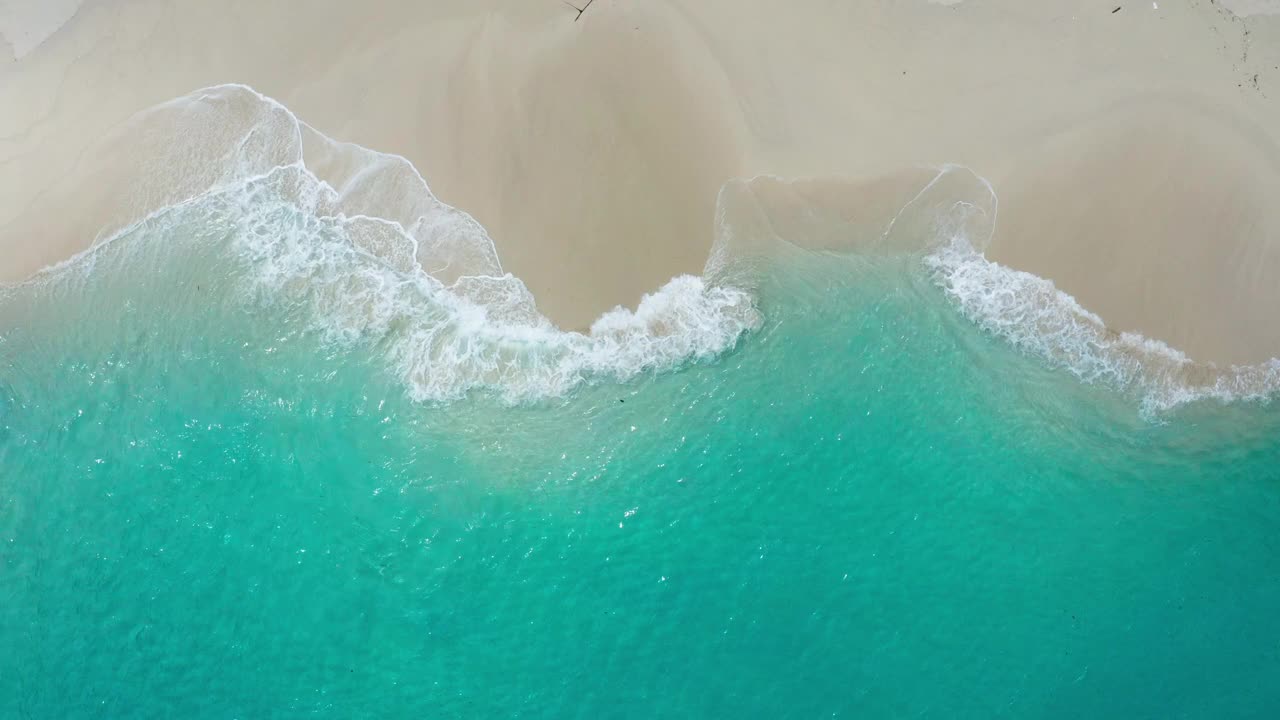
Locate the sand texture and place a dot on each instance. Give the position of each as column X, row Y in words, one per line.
column 1134, row 153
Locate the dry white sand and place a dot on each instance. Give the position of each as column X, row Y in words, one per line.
column 1134, row 152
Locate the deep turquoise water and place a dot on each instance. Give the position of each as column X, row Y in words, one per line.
column 212, row 504
column 869, row 508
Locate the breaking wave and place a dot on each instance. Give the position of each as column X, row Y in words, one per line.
column 1034, row 316
column 356, row 238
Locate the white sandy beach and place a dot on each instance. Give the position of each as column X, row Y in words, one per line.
column 1135, row 152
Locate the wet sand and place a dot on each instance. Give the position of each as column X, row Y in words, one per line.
column 1133, row 152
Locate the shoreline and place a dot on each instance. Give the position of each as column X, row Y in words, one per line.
column 593, row 151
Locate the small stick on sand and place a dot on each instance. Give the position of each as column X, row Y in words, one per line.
column 579, row 9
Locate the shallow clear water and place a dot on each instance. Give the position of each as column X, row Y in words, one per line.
column 212, row 507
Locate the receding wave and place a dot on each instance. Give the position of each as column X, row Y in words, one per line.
column 1033, row 315
column 356, row 238
column 947, row 217
column 360, row 278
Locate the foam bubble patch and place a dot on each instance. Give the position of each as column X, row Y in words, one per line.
column 1036, row 317
column 355, row 243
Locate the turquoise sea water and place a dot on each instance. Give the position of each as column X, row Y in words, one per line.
column 215, row 502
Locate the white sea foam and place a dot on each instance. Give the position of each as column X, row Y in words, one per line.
column 1033, row 315
column 356, row 238
column 359, row 281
